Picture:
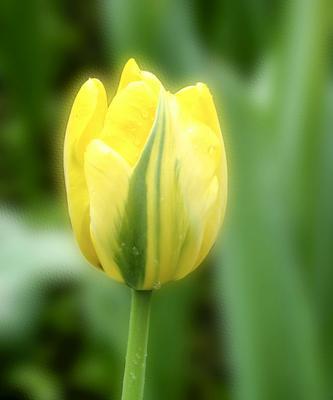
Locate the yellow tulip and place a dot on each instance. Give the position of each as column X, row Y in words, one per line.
column 146, row 178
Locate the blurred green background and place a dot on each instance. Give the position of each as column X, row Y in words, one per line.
column 254, row 323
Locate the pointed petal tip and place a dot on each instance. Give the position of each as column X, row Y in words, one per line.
column 93, row 84
column 130, row 73
column 131, row 62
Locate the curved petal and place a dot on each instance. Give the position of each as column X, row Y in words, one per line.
column 107, row 176
column 203, row 175
column 129, row 120
column 85, row 122
column 200, row 155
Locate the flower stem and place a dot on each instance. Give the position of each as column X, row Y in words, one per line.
column 134, row 375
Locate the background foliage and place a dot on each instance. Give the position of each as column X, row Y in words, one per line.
column 256, row 323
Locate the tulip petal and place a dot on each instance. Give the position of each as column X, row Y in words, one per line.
column 203, row 174
column 107, row 176
column 85, row 122
column 129, row 120
column 200, row 156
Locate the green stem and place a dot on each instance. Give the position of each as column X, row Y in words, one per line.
column 134, row 375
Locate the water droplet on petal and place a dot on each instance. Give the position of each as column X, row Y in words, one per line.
column 137, row 141
column 157, row 285
column 144, row 114
column 133, row 376
column 211, row 150
column 135, row 251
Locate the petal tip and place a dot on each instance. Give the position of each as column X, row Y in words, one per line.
column 131, row 72
column 132, row 63
column 92, row 84
column 203, row 89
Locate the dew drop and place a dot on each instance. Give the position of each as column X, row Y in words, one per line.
column 135, row 251
column 157, row 285
column 137, row 141
column 211, row 150
column 144, row 114
column 133, row 376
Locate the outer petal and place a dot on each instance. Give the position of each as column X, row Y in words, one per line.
column 85, row 122
column 203, row 173
column 107, row 176
column 200, row 156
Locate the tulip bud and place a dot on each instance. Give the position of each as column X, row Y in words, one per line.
column 146, row 178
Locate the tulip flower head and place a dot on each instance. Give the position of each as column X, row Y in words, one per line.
column 146, row 178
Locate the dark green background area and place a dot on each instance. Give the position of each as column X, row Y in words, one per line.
column 256, row 321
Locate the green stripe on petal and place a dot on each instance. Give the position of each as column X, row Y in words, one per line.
column 133, row 231
column 164, row 206
column 107, row 175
